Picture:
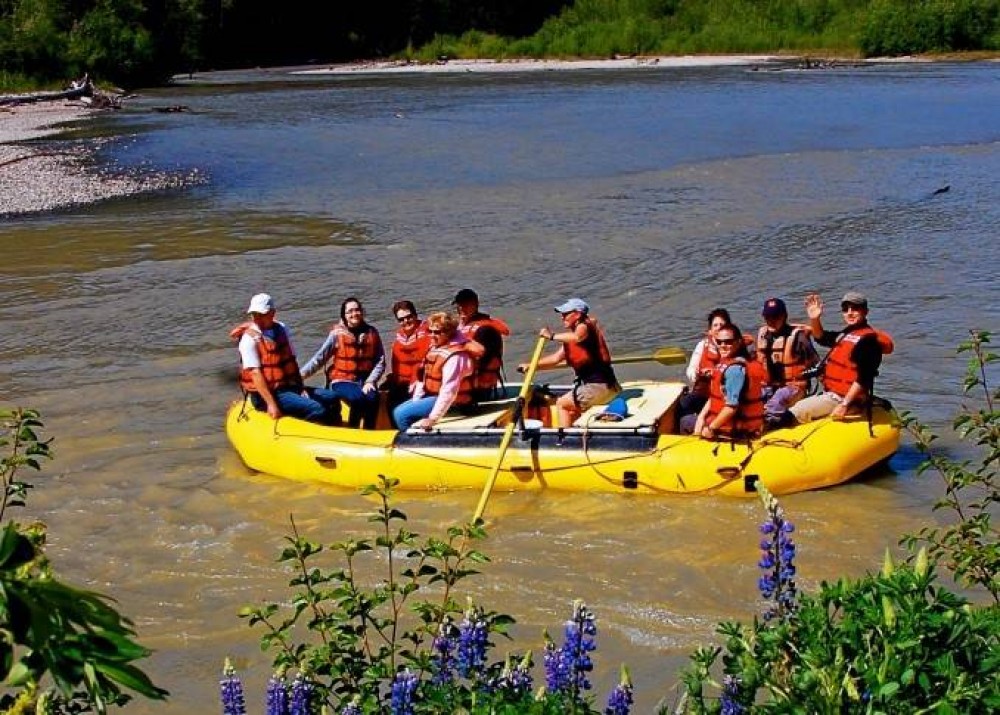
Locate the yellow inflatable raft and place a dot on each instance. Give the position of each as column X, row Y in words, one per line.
column 637, row 454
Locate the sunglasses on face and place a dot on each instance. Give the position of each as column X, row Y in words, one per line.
column 435, row 331
column 725, row 341
column 847, row 307
column 404, row 318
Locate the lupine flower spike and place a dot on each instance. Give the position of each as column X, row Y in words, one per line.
column 443, row 653
column 231, row 691
column 515, row 678
column 303, row 692
column 620, row 699
column 730, row 700
column 777, row 560
column 566, row 667
column 473, row 641
column 404, row 688
column 277, row 694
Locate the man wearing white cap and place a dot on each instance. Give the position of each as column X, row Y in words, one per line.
column 583, row 347
column 851, row 367
column 270, row 370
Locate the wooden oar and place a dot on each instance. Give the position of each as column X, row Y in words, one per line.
column 522, row 397
column 664, row 356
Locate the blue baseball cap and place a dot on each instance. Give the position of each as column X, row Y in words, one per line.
column 573, row 304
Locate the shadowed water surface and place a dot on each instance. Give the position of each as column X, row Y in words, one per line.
column 654, row 194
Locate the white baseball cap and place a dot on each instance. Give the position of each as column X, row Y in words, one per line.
column 261, row 303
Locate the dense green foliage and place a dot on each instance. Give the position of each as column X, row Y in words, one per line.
column 135, row 42
column 893, row 642
column 62, row 649
column 401, row 643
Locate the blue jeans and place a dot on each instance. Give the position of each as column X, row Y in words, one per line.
column 412, row 411
column 363, row 406
column 293, row 404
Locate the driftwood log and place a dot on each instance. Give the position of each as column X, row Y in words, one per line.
column 78, row 89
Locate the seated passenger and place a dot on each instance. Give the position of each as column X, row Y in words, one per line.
column 851, row 367
column 486, row 336
column 446, row 378
column 269, row 372
column 583, row 347
column 786, row 352
column 355, row 360
column 734, row 409
column 699, row 370
column 408, row 351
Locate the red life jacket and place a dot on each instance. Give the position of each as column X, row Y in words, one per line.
column 591, row 358
column 277, row 361
column 487, row 368
column 433, row 369
column 749, row 418
column 841, row 372
column 708, row 360
column 355, row 356
column 408, row 353
column 790, row 363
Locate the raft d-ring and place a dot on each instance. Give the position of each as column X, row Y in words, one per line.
column 328, row 462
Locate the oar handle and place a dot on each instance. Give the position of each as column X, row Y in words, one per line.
column 522, row 397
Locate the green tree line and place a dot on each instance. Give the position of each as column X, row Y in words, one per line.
column 142, row 42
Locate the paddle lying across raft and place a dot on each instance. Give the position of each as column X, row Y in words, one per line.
column 639, row 453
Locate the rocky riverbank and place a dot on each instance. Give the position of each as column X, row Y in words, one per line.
column 39, row 171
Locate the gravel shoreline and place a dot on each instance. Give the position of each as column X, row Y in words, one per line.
column 39, row 176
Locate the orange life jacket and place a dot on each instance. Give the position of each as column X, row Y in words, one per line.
column 790, row 364
column 277, row 361
column 749, row 418
column 487, row 368
column 433, row 369
column 591, row 359
column 408, row 352
column 709, row 359
column 841, row 372
column 355, row 356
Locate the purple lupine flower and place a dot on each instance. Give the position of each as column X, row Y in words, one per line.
column 620, row 698
column 777, row 584
column 404, row 687
column 566, row 667
column 515, row 679
column 303, row 692
column 231, row 691
column 473, row 641
column 443, row 653
column 277, row 695
column 730, row 699
column 558, row 668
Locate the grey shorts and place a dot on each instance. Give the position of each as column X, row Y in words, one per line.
column 588, row 394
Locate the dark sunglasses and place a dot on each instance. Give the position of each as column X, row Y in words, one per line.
column 844, row 307
column 404, row 318
column 435, row 331
column 724, row 341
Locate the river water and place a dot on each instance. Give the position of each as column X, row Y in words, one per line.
column 655, row 194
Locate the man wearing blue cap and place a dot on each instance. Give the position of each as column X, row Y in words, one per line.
column 786, row 352
column 581, row 346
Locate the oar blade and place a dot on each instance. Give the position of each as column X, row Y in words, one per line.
column 664, row 356
column 670, row 356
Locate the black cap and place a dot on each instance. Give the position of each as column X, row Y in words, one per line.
column 465, row 295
